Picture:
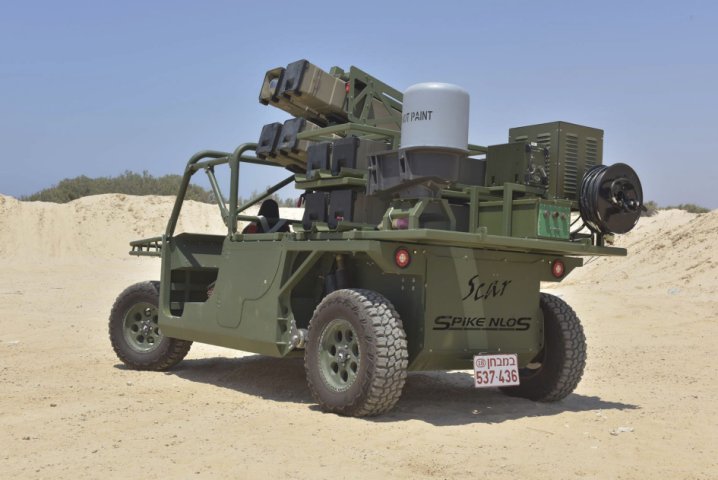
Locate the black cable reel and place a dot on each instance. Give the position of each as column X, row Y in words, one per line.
column 610, row 198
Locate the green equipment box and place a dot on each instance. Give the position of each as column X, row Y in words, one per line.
column 530, row 218
column 572, row 150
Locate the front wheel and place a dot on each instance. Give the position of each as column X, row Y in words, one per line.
column 135, row 333
column 557, row 369
column 356, row 355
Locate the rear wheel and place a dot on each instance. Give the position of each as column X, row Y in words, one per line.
column 135, row 333
column 356, row 355
column 557, row 369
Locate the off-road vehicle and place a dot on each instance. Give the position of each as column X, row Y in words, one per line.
column 416, row 250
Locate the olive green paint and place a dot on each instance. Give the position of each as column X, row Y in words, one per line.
column 473, row 282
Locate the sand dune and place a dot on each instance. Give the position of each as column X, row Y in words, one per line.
column 671, row 250
column 100, row 225
column 645, row 407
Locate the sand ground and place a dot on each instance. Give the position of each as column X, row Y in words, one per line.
column 68, row 409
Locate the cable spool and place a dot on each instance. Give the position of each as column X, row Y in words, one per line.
column 610, row 198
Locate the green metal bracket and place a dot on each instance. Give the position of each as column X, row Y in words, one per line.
column 333, row 182
column 368, row 132
column 147, row 247
column 414, row 212
column 364, row 89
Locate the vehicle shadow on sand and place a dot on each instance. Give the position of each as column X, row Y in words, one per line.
column 438, row 398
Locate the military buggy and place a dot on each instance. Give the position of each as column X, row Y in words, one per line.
column 416, row 250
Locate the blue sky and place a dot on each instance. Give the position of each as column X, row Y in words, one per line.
column 100, row 87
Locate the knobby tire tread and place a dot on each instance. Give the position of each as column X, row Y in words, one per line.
column 386, row 366
column 564, row 376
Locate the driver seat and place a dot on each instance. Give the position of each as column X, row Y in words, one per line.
column 270, row 211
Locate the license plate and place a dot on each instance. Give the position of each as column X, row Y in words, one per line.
column 501, row 370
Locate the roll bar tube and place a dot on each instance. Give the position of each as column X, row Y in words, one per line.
column 208, row 159
column 188, row 172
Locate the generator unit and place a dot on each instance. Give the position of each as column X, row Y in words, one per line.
column 572, row 151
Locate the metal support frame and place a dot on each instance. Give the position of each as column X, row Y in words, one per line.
column 199, row 162
column 413, row 213
column 217, row 194
column 363, row 88
column 268, row 192
column 192, row 166
column 360, row 130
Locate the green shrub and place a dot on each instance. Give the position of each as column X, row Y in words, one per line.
column 129, row 183
column 688, row 207
column 651, row 209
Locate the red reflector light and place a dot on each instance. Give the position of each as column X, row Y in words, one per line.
column 558, row 268
column 402, row 258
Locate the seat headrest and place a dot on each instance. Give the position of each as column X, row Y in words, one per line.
column 269, row 209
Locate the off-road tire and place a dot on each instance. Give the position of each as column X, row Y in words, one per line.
column 563, row 357
column 382, row 353
column 165, row 354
